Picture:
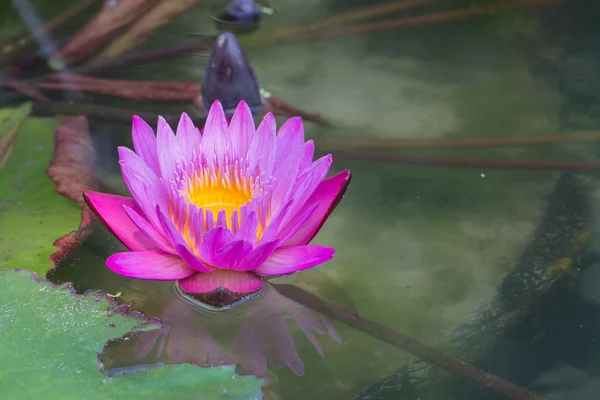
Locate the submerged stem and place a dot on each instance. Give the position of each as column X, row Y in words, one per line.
column 416, row 159
column 355, row 15
column 423, row 144
column 145, row 57
column 110, row 114
column 405, row 343
column 409, row 22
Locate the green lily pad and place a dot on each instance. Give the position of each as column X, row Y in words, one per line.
column 50, row 337
column 32, row 214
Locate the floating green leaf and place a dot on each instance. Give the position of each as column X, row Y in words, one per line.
column 32, row 215
column 49, row 339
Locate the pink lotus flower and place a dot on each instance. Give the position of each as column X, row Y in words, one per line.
column 223, row 208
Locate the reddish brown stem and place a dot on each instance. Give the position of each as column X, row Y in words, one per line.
column 280, row 107
column 113, row 83
column 355, row 15
column 406, row 343
column 415, row 21
column 140, row 91
column 413, row 159
column 146, row 56
column 26, row 89
column 107, row 113
column 421, row 144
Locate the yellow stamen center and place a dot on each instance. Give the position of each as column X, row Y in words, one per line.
column 219, row 191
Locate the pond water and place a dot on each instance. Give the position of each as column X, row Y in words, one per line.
column 493, row 263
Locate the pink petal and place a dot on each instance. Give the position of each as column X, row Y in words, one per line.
column 149, row 264
column 241, row 129
column 329, row 193
column 169, row 152
column 196, row 224
column 144, row 143
column 307, row 183
column 188, row 137
column 290, row 229
column 143, row 184
column 109, row 208
column 147, row 229
column 134, row 163
column 234, row 221
column 275, row 223
column 222, row 218
column 192, row 260
column 213, row 242
column 209, row 221
column 290, row 139
column 182, row 248
column 231, row 254
column 237, row 282
column 215, row 140
column 308, row 153
column 287, row 260
column 248, row 228
column 261, row 154
column 258, row 256
column 284, row 182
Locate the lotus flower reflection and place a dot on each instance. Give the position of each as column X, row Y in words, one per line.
column 224, row 208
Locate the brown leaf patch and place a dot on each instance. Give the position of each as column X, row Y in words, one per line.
column 72, row 170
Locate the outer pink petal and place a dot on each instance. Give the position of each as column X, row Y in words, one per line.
column 192, row 260
column 237, row 282
column 275, row 223
column 261, row 153
column 182, row 248
column 214, row 139
column 290, row 139
column 241, row 129
column 145, row 186
column 287, row 260
column 133, row 162
column 109, row 208
column 213, row 242
column 230, row 255
column 144, row 143
column 222, row 218
column 248, row 228
column 188, row 137
column 290, row 229
column 209, row 221
column 149, row 264
column 308, row 153
column 257, row 256
column 284, row 182
column 328, row 193
column 147, row 229
column 169, row 152
column 307, row 183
